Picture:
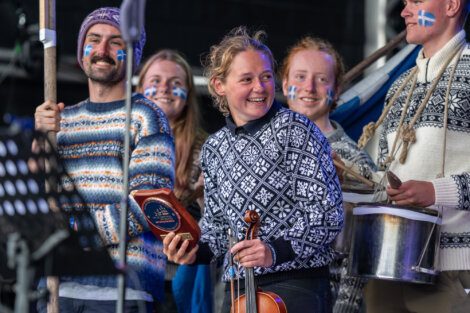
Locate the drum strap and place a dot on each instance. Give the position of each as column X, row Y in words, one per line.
column 369, row 129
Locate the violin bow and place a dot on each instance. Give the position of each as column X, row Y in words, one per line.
column 231, row 243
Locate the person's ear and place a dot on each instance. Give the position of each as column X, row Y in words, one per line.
column 219, row 86
column 284, row 87
column 454, row 7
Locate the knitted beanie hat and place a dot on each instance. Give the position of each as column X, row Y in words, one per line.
column 110, row 16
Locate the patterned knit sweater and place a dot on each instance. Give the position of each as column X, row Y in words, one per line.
column 280, row 166
column 425, row 155
column 348, row 150
column 91, row 144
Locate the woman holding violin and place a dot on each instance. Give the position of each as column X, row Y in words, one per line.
column 273, row 162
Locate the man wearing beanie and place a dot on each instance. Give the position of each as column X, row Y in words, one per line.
column 90, row 141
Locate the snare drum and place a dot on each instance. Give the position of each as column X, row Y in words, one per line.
column 352, row 194
column 397, row 243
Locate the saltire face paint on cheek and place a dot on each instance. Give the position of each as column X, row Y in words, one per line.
column 180, row 92
column 330, row 95
column 426, row 19
column 150, row 91
column 87, row 50
column 121, row 55
column 292, row 92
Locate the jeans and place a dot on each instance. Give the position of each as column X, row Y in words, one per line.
column 69, row 305
column 299, row 295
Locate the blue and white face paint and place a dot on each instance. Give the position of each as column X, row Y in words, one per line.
column 426, row 19
column 121, row 55
column 292, row 92
column 180, row 92
column 87, row 50
column 150, row 92
column 330, row 97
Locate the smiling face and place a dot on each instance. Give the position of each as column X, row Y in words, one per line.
column 248, row 86
column 104, row 54
column 165, row 84
column 310, row 83
column 428, row 23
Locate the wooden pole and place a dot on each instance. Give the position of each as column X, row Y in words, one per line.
column 359, row 68
column 47, row 35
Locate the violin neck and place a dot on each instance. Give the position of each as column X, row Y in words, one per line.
column 250, row 291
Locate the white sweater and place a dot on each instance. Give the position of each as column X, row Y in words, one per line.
column 424, row 159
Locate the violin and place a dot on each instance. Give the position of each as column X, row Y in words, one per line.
column 255, row 300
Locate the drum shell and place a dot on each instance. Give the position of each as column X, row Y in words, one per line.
column 342, row 242
column 386, row 246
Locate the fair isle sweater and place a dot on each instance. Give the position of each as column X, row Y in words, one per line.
column 91, row 144
column 280, row 166
column 425, row 155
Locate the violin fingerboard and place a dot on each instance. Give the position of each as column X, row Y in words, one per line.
column 250, row 291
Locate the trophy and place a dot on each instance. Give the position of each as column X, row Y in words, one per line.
column 165, row 214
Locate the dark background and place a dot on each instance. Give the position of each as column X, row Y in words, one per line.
column 190, row 26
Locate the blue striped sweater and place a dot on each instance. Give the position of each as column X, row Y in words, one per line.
column 91, row 144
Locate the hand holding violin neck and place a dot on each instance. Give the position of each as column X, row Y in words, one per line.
column 254, row 300
column 252, row 218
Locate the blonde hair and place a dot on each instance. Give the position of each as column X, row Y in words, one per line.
column 186, row 127
column 318, row 44
column 217, row 62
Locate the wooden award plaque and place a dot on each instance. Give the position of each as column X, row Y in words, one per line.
column 165, row 214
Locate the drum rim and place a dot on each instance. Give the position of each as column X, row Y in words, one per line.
column 396, row 212
column 416, row 209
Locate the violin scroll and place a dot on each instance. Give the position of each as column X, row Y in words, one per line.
column 252, row 218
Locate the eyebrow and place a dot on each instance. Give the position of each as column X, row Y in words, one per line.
column 100, row 36
column 170, row 78
column 250, row 73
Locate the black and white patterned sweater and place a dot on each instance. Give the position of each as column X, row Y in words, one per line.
column 347, row 149
column 425, row 155
column 280, row 166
